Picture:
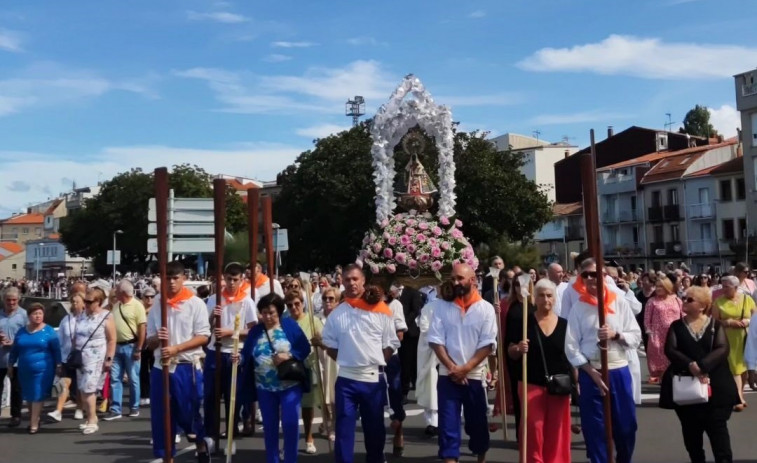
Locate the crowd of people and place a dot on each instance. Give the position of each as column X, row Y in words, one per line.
column 337, row 344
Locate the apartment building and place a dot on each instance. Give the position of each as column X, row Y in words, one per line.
column 20, row 228
column 746, row 103
column 564, row 234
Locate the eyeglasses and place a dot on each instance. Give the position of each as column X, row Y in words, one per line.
column 149, row 297
column 328, row 299
column 689, row 300
column 89, row 301
column 589, row 275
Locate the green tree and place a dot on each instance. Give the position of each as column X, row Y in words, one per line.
column 122, row 204
column 327, row 196
column 697, row 122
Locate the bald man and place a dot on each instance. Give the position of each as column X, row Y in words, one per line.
column 463, row 333
column 555, row 275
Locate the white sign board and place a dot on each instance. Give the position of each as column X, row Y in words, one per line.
column 184, row 245
column 185, row 229
column 281, row 240
column 110, row 258
column 185, row 210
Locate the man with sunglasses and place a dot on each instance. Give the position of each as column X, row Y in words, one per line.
column 147, row 359
column 582, row 346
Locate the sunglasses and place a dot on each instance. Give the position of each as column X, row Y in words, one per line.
column 328, row 299
column 589, row 275
column 89, row 301
column 689, row 300
column 149, row 297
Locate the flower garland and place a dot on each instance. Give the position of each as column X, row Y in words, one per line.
column 392, row 122
column 416, row 244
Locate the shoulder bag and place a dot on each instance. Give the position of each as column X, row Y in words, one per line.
column 688, row 390
column 75, row 359
column 559, row 384
column 288, row 370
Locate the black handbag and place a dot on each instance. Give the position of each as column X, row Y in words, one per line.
column 559, row 384
column 75, row 359
column 288, row 370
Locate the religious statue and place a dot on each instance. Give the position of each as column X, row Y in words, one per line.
column 417, row 190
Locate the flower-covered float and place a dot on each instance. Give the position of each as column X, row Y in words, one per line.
column 414, row 246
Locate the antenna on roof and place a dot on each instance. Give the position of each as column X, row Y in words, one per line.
column 669, row 125
column 536, row 134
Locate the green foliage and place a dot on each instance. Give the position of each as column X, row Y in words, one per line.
column 697, row 122
column 513, row 253
column 122, row 204
column 327, row 202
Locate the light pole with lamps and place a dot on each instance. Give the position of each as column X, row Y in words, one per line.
column 113, row 257
column 39, row 252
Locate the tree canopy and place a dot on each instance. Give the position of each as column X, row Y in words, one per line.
column 122, row 204
column 697, row 122
column 327, row 196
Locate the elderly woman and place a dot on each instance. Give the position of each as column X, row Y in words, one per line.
column 661, row 310
column 734, row 309
column 67, row 337
column 312, row 329
column 270, row 343
column 12, row 319
column 746, row 284
column 96, row 339
column 548, row 422
column 37, row 351
column 697, row 346
column 330, row 298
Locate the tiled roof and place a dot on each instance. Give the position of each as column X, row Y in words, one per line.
column 567, row 209
column 24, row 219
column 658, row 155
column 53, row 206
column 13, row 248
column 675, row 165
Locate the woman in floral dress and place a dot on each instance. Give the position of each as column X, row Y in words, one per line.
column 661, row 311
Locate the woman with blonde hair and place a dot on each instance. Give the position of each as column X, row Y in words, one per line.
column 734, row 309
column 662, row 309
column 67, row 337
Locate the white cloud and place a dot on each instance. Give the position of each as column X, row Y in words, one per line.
column 253, row 160
column 576, row 118
column 217, row 16
column 277, row 58
column 645, row 57
column 293, row 44
column 726, row 119
column 363, row 40
column 321, row 131
column 10, row 41
column 477, row 14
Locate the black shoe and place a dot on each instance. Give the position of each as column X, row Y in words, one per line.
column 14, row 422
column 203, row 457
column 432, row 431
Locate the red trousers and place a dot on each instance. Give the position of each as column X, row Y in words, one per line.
column 548, row 425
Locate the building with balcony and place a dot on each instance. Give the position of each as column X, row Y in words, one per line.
column 667, row 196
column 563, row 235
column 746, row 103
column 76, row 199
column 20, row 228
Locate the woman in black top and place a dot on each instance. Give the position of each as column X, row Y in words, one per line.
column 697, row 346
column 548, row 422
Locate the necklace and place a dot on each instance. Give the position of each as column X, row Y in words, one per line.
column 697, row 331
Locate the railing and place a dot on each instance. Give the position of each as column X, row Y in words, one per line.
column 626, row 249
column 630, row 215
column 674, row 248
column 609, row 217
column 702, row 247
column 663, row 213
column 702, row 211
column 672, row 212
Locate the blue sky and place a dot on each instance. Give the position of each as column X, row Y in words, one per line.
column 92, row 88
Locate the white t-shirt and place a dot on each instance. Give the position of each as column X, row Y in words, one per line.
column 248, row 316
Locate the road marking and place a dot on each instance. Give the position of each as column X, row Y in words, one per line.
column 180, row 452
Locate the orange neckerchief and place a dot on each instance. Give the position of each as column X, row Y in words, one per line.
column 260, row 280
column 240, row 294
column 465, row 303
column 359, row 303
column 609, row 296
column 183, row 295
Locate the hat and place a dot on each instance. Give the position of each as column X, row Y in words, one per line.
column 148, row 292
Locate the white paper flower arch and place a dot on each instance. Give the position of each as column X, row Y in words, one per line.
column 392, row 122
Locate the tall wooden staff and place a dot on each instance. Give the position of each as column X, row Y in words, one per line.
column 161, row 216
column 319, row 378
column 253, row 206
column 494, row 272
column 233, row 398
column 593, row 238
column 526, row 289
column 268, row 226
column 219, row 211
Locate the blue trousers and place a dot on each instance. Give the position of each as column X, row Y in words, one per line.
column 471, row 398
column 370, row 399
column 123, row 361
column 185, row 389
column 623, row 416
column 289, row 401
column 210, row 391
column 393, row 372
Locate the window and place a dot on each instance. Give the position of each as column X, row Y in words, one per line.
column 38, row 232
column 25, row 230
column 725, row 191
column 633, row 203
column 657, row 198
column 705, row 231
column 740, row 189
column 673, row 197
column 675, row 233
column 684, row 160
column 658, row 234
column 728, row 231
column 635, row 234
column 742, row 228
column 754, row 129
column 13, row 266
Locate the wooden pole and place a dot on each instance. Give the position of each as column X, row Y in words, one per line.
column 500, row 357
column 233, row 399
column 161, row 215
column 219, row 211
column 526, row 289
column 253, row 208
column 594, row 240
column 268, row 226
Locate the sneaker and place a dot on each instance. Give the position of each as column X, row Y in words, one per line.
column 178, row 439
column 233, row 449
column 310, row 448
column 56, row 415
column 144, row 402
column 112, row 416
column 258, row 417
column 78, row 414
column 90, row 429
column 133, row 413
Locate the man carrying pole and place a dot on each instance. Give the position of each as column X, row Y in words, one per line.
column 219, row 222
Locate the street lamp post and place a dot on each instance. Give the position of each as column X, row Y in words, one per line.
column 276, row 227
column 113, row 257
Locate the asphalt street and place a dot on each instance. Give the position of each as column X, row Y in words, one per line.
column 127, row 441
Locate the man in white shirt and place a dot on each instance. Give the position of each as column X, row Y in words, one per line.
column 582, row 349
column 235, row 299
column 555, row 274
column 262, row 285
column 463, row 333
column 361, row 336
column 393, row 372
column 187, row 331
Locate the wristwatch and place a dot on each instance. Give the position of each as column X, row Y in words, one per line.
column 108, row 359
column 617, row 336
